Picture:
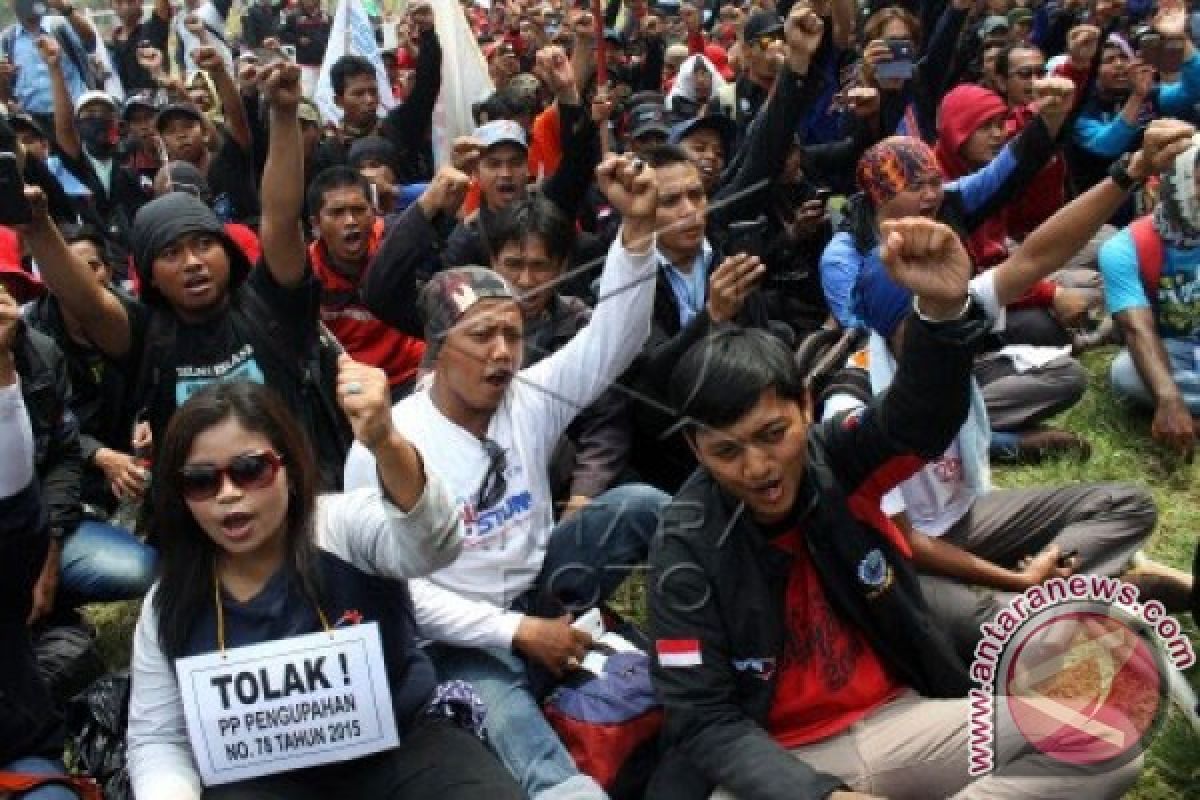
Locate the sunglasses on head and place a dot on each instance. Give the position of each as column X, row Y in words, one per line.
column 494, row 484
column 247, row 471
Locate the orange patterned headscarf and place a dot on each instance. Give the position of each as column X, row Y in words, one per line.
column 893, row 165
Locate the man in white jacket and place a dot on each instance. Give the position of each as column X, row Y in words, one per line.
column 500, row 615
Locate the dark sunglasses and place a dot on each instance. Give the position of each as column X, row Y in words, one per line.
column 249, row 471
column 494, row 484
column 1028, row 73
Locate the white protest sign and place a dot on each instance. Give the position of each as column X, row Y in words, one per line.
column 287, row 704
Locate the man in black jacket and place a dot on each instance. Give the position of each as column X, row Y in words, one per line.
column 794, row 651
column 31, row 733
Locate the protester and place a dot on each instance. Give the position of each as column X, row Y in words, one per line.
column 238, row 491
column 31, row 732
column 824, row 687
column 500, row 615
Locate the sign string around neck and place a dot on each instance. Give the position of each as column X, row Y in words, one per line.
column 221, row 614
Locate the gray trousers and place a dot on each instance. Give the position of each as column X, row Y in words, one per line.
column 1019, row 401
column 1105, row 522
column 915, row 748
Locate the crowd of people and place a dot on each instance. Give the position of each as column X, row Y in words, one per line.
column 744, row 297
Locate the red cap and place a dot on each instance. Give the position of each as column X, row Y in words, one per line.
column 23, row 286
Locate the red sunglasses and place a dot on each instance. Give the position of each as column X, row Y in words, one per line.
column 248, row 471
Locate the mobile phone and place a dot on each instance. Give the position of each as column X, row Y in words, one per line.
column 374, row 194
column 1150, row 50
column 900, row 65
column 14, row 208
column 746, row 237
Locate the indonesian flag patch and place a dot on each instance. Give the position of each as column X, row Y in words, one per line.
column 678, row 652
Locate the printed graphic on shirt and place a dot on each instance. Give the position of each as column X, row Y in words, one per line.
column 813, row 632
column 241, row 366
column 948, row 468
column 487, row 529
column 1179, row 304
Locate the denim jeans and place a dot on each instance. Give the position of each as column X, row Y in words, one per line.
column 1185, row 370
column 587, row 558
column 102, row 563
column 41, row 766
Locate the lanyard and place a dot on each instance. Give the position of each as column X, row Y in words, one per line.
column 221, row 614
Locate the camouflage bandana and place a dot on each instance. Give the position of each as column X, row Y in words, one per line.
column 449, row 295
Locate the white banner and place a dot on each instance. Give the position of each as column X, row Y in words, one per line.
column 112, row 81
column 288, row 704
column 465, row 79
column 351, row 34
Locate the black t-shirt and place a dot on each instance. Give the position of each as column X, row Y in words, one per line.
column 133, row 75
column 231, row 177
column 231, row 346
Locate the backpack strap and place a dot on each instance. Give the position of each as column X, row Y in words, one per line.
column 1150, row 254
column 158, row 347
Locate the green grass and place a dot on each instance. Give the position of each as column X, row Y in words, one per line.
column 1121, row 450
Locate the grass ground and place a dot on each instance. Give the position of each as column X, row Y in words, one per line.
column 1121, row 451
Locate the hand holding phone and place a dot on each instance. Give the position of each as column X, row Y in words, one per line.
column 900, row 66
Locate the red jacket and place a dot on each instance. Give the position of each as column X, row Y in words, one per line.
column 365, row 338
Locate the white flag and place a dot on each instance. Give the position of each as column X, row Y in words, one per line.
column 465, row 79
column 351, row 34
column 112, row 81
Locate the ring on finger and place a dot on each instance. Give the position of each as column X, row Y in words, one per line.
column 354, row 387
column 572, row 662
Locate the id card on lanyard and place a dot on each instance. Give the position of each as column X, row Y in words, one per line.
column 283, row 705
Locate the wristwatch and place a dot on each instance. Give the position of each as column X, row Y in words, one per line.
column 1119, row 172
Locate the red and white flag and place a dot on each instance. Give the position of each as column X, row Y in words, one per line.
column 679, row 652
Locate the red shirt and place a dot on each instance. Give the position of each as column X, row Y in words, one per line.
column 365, row 338
column 829, row 675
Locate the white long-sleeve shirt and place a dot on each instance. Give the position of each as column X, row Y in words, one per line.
column 465, row 604
column 16, row 467
column 360, row 527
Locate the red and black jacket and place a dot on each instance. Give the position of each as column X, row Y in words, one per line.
column 719, row 584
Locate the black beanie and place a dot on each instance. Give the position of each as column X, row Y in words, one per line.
column 160, row 222
column 375, row 148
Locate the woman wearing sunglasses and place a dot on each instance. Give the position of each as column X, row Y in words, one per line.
column 250, row 554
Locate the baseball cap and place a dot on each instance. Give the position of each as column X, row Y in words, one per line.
column 28, row 123
column 136, row 101
column 648, row 118
column 992, row 24
column 23, row 286
column 93, row 96
column 762, row 23
column 177, row 110
column 723, row 125
column 501, row 131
